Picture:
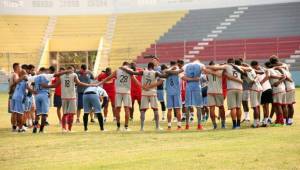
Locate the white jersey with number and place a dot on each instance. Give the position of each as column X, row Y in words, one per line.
column 281, row 87
column 288, row 85
column 265, row 85
column 233, row 85
column 147, row 79
column 68, row 90
column 214, row 84
column 256, row 86
column 122, row 83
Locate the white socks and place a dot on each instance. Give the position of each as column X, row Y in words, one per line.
column 247, row 117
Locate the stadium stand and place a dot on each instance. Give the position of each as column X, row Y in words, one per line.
column 21, row 38
column 261, row 31
column 134, row 32
column 78, row 33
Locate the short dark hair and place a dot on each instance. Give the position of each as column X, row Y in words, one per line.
column 24, row 66
column 211, row 63
column 274, row 60
column 150, row 65
column 52, row 69
column 172, row 63
column 42, row 69
column 70, row 67
column 230, row 60
column 268, row 64
column 108, row 69
column 83, row 67
column 254, row 63
column 180, row 62
column 125, row 63
column 163, row 67
column 30, row 66
column 61, row 68
column 237, row 62
column 15, row 65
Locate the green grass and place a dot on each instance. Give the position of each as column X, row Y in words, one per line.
column 262, row 148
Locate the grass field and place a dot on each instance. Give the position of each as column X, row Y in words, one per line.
column 262, row 148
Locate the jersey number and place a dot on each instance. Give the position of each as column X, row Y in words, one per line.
column 67, row 83
column 123, row 79
column 148, row 81
column 234, row 73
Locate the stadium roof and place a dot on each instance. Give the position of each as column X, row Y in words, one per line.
column 82, row 7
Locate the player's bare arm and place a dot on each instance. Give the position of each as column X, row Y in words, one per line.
column 130, row 71
column 230, row 77
column 158, row 83
column 108, row 78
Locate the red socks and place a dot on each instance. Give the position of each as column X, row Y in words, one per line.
column 67, row 119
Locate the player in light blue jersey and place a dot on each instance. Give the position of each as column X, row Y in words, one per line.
column 193, row 96
column 17, row 105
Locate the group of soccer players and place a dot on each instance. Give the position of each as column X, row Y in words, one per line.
column 180, row 89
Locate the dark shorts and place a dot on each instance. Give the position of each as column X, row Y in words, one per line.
column 79, row 100
column 267, row 97
column 57, row 101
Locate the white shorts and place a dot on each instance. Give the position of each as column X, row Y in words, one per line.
column 245, row 95
column 255, row 98
column 146, row 100
column 69, row 106
column 290, row 97
column 125, row 98
column 279, row 98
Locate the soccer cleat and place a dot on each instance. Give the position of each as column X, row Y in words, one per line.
column 183, row 119
column 237, row 127
column 200, row 127
column 215, row 126
column 169, row 128
column 47, row 123
column 92, row 121
column 255, row 126
column 187, row 127
column 163, row 119
column 178, row 128
column 34, row 130
column 86, row 130
column 223, row 127
column 174, row 119
column 127, row 129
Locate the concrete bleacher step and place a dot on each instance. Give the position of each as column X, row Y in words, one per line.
column 198, row 48
column 290, row 61
column 225, row 23
column 202, row 43
column 230, row 19
column 216, row 31
column 295, row 56
column 212, row 35
column 207, row 39
column 187, row 56
column 242, row 8
column 297, row 52
column 221, row 27
column 193, row 52
column 238, row 12
column 234, row 16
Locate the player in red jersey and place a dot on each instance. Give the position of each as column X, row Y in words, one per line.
column 109, row 87
column 136, row 90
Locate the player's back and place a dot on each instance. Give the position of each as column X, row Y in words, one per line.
column 38, row 81
column 123, row 81
column 193, row 70
column 214, row 84
column 173, row 85
column 149, row 77
column 233, row 85
column 20, row 90
column 68, row 90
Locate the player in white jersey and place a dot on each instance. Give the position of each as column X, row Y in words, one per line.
column 233, row 73
column 278, row 89
column 255, row 93
column 149, row 84
column 215, row 96
column 290, row 90
column 122, row 86
column 266, row 97
column 68, row 96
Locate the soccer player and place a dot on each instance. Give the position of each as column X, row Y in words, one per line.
column 85, row 76
column 279, row 96
column 109, row 87
column 136, row 90
column 92, row 97
column 193, row 96
column 266, row 97
column 215, row 96
column 122, row 86
column 205, row 111
column 68, row 96
column 14, row 79
column 234, row 90
column 160, row 88
column 173, row 94
column 255, row 93
column 290, row 90
column 57, row 97
column 18, row 100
